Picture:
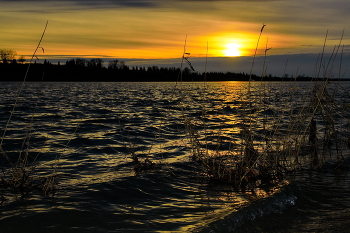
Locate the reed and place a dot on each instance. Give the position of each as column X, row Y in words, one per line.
column 299, row 136
column 272, row 141
column 21, row 171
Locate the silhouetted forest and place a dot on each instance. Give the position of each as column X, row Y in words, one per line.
column 80, row 70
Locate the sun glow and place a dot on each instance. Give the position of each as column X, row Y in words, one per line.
column 232, row 50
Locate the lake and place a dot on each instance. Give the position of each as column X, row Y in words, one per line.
column 88, row 135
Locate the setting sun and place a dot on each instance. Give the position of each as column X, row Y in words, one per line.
column 232, row 50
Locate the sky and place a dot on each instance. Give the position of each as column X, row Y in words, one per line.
column 218, row 35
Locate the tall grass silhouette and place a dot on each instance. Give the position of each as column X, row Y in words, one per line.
column 21, row 172
column 271, row 137
column 278, row 137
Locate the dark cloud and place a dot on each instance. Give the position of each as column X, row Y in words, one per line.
column 276, row 65
column 128, row 3
column 294, row 64
column 121, row 3
column 94, row 3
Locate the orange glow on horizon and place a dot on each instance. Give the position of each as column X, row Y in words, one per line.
column 158, row 31
column 222, row 44
column 229, row 44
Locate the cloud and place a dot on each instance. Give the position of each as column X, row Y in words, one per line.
column 141, row 28
column 295, row 64
column 94, row 3
column 128, row 3
column 120, row 3
column 335, row 65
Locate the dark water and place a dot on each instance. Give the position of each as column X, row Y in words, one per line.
column 312, row 202
column 86, row 132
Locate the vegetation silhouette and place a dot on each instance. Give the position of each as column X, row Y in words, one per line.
column 82, row 70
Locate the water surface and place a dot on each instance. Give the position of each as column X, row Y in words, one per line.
column 87, row 132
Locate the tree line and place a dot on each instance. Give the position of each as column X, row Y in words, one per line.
column 94, row 70
column 115, row 72
column 9, row 56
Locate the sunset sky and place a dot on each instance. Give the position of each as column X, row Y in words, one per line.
column 153, row 32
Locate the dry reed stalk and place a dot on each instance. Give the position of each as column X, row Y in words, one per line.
column 146, row 164
column 284, row 150
column 21, row 173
